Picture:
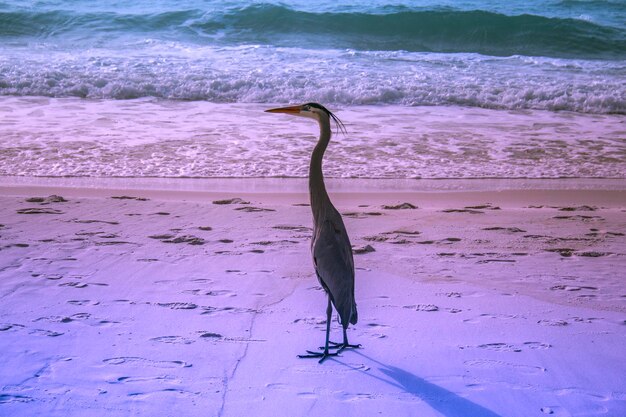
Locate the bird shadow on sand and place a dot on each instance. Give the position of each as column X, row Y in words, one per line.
column 440, row 399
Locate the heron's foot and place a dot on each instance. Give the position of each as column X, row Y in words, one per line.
column 342, row 346
column 321, row 355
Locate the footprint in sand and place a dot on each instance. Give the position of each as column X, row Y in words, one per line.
column 481, row 317
column 235, row 200
column 128, row 379
column 14, row 398
column 250, row 209
column 397, row 237
column 127, row 197
column 486, row 261
column 564, row 287
column 423, row 307
column 178, row 340
column 47, row 200
column 466, row 210
column 138, row 361
column 593, row 254
column 578, row 217
column 147, row 395
column 589, row 395
column 215, row 310
column 42, row 332
column 278, row 386
column 202, row 280
column 376, row 325
column 451, row 294
column 274, row 242
column 188, row 239
column 472, row 209
column 405, row 232
column 38, row 210
column 115, row 242
column 179, row 306
column 4, row 327
column 74, row 284
column 508, row 347
column 52, row 277
column 449, row 240
column 236, row 271
column 95, row 221
column 300, row 229
column 496, row 364
column 243, row 340
column 161, row 237
column 314, row 321
column 379, row 327
column 64, row 319
column 588, row 320
column 377, row 238
column 212, row 293
column 345, row 396
column 506, row 229
column 124, row 301
column 210, row 335
column 363, row 249
column 402, row 206
column 553, row 322
column 83, row 302
column 564, row 252
column 578, row 208
column 362, row 215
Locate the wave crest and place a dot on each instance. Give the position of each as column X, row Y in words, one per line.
column 440, row 30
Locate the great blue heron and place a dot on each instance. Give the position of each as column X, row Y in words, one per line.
column 330, row 246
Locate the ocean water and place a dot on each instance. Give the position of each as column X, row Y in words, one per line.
column 563, row 57
column 530, row 54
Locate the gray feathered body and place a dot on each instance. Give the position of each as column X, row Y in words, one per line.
column 330, row 247
column 334, row 265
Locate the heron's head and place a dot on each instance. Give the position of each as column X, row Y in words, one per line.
column 313, row 111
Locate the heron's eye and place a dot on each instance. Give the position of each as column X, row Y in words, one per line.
column 306, row 108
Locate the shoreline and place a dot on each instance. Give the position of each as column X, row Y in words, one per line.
column 423, row 193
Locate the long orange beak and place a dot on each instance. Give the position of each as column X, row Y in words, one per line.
column 288, row 110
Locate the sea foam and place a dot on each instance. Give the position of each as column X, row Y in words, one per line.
column 272, row 75
column 161, row 138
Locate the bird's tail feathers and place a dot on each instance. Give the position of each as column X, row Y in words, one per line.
column 354, row 315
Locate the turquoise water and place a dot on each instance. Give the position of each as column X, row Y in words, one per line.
column 554, row 55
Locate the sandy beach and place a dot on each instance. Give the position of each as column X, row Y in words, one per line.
column 145, row 301
column 155, row 227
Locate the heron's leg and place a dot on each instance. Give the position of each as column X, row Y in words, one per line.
column 326, row 353
column 345, row 345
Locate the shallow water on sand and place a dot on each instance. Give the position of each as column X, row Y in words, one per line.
column 161, row 138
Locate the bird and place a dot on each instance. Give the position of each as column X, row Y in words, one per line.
column 330, row 244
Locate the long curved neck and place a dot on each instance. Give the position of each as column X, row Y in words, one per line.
column 317, row 189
